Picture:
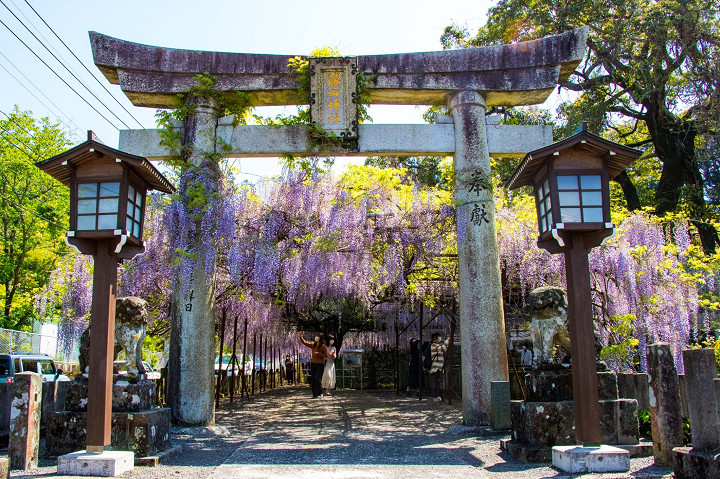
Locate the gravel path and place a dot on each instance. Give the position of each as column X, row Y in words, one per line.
column 286, row 433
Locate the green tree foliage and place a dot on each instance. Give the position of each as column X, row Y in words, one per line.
column 33, row 213
column 650, row 65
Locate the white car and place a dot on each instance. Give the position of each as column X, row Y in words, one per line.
column 150, row 372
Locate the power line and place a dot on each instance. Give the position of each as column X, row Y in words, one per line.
column 36, row 29
column 59, row 77
column 58, row 111
column 25, row 152
column 32, row 212
column 5, row 137
column 61, row 63
column 83, row 65
column 18, row 124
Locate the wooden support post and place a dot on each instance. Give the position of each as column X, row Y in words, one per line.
column 260, row 372
column 102, row 344
column 265, row 369
column 582, row 344
column 421, row 370
column 397, row 354
column 244, row 353
column 252, row 377
column 218, row 386
column 233, row 361
column 272, row 365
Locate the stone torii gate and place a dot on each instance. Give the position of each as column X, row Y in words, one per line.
column 467, row 81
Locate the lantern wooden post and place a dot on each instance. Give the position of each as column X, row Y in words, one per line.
column 102, row 343
column 582, row 343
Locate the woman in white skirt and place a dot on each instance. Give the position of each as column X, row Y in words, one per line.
column 328, row 378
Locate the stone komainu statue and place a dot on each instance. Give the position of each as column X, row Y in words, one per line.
column 130, row 320
column 548, row 324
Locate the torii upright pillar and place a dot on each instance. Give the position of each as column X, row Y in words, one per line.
column 482, row 324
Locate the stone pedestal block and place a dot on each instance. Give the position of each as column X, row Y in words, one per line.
column 578, row 460
column 145, row 433
column 4, row 468
column 543, row 424
column 634, row 386
column 556, row 385
column 25, row 411
column 664, row 398
column 500, row 411
column 106, row 464
column 126, row 397
column 552, row 385
column 619, row 421
column 700, row 370
column 547, row 424
column 689, row 463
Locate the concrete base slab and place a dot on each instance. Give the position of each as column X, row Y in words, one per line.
column 152, row 461
column 106, row 464
column 578, row 459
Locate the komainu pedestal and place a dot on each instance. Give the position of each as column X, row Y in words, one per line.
column 137, row 425
column 547, row 417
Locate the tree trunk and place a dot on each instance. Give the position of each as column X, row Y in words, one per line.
column 674, row 141
column 629, row 191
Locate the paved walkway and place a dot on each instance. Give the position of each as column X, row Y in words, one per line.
column 286, row 433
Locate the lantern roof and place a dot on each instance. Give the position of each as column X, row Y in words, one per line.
column 59, row 165
column 616, row 156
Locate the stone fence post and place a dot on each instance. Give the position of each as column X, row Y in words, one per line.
column 25, row 421
column 664, row 403
column 700, row 371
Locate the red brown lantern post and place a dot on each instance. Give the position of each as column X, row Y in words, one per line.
column 107, row 206
column 570, row 181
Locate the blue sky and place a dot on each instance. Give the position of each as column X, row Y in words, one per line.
column 268, row 26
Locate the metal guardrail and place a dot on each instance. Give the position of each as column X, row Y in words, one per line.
column 24, row 342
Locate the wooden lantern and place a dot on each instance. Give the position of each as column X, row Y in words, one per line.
column 571, row 186
column 107, row 194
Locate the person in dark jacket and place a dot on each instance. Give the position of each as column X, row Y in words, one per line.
column 317, row 361
column 416, row 375
column 289, row 370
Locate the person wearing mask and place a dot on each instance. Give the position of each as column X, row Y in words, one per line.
column 328, row 378
column 437, row 354
column 317, row 361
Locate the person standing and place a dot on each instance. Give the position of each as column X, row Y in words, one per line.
column 416, row 375
column 526, row 356
column 289, row 370
column 317, row 362
column 328, row 378
column 437, row 354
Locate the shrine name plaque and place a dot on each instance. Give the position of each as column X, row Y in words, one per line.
column 333, row 95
